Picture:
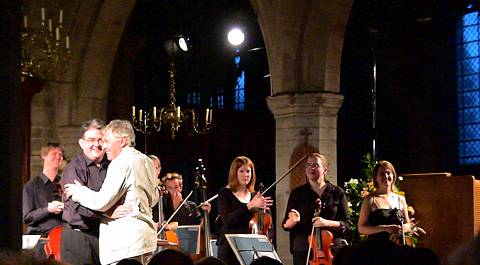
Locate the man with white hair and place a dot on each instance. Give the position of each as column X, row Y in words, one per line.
column 131, row 179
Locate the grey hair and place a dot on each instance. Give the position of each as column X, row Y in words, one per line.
column 154, row 157
column 120, row 129
column 91, row 124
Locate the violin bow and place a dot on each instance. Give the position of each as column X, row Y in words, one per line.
column 174, row 213
column 286, row 173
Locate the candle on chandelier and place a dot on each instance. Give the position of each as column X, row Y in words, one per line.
column 207, row 116
column 140, row 114
column 57, row 33
column 67, row 43
column 133, row 112
column 210, row 116
column 178, row 112
column 25, row 23
column 154, row 113
column 43, row 13
column 49, row 25
column 60, row 16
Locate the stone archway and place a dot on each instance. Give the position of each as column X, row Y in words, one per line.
column 304, row 41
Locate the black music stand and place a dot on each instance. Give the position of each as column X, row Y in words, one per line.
column 189, row 238
column 248, row 247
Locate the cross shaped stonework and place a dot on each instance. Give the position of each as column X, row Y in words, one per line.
column 305, row 132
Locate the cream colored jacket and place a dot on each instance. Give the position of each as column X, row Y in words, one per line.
column 131, row 179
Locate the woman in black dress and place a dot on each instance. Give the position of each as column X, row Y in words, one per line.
column 236, row 204
column 384, row 213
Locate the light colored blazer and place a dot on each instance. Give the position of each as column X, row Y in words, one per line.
column 131, row 179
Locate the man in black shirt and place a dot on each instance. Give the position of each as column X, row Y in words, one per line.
column 42, row 195
column 79, row 245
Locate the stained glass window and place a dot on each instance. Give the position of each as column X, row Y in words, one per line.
column 468, row 88
column 239, row 92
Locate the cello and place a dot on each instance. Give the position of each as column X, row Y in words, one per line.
column 320, row 241
column 261, row 223
column 201, row 183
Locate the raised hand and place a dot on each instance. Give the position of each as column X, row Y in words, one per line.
column 260, row 202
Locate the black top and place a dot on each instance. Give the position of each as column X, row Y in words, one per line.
column 89, row 174
column 384, row 217
column 187, row 215
column 37, row 193
column 304, row 200
column 234, row 215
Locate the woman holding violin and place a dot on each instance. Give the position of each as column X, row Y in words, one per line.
column 384, row 213
column 316, row 196
column 237, row 203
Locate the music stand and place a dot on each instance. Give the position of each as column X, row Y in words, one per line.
column 248, row 247
column 213, row 248
column 30, row 241
column 189, row 238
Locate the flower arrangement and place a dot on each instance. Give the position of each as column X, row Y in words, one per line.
column 357, row 189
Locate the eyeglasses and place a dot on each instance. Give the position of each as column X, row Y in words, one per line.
column 313, row 166
column 93, row 140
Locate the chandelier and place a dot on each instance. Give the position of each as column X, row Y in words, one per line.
column 45, row 49
column 171, row 116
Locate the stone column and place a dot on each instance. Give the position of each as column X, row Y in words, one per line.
column 293, row 113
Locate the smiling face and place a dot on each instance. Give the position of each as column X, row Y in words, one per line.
column 385, row 177
column 54, row 158
column 91, row 144
column 244, row 175
column 113, row 144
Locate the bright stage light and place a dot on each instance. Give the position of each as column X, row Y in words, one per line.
column 235, row 37
column 183, row 44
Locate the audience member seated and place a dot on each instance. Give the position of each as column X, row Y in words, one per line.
column 467, row 254
column 264, row 260
column 378, row 252
column 129, row 262
column 170, row 257
column 8, row 257
column 209, row 261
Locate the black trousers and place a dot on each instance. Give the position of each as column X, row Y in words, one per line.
column 79, row 248
column 225, row 253
column 299, row 257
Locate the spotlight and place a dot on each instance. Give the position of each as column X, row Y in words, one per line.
column 182, row 42
column 235, row 37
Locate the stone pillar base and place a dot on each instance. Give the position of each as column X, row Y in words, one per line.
column 294, row 115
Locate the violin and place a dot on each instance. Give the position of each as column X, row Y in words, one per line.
column 320, row 243
column 401, row 239
column 261, row 223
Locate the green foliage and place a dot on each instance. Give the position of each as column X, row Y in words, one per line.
column 356, row 190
